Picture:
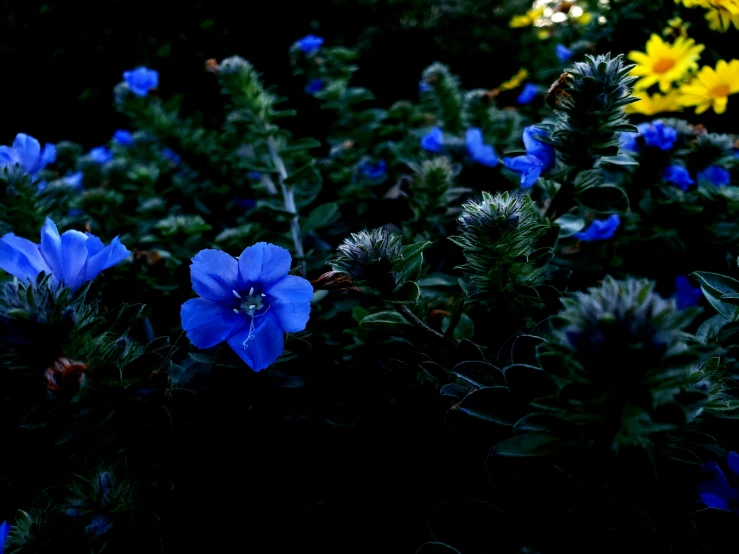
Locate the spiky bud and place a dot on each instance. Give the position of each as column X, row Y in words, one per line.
column 499, row 235
column 623, row 365
column 431, row 189
column 589, row 101
column 369, row 258
column 446, row 98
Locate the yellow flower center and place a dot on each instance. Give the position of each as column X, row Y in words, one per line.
column 664, row 65
column 721, row 90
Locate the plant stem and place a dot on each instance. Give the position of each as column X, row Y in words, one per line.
column 412, row 318
column 288, row 198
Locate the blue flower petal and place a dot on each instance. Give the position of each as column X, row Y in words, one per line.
column 214, row 276
column 8, row 156
column 732, row 460
column 101, row 259
column 289, row 299
column 208, row 323
column 433, row 141
column 29, row 152
column 21, row 258
column 262, row 346
column 74, row 256
column 48, row 155
column 718, row 484
column 5, row 528
column 263, row 263
column 51, row 246
column 713, row 501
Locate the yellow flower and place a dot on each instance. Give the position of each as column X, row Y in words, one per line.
column 583, row 19
column 693, row 3
column 711, row 88
column 526, row 20
column 664, row 63
column 721, row 14
column 676, row 27
column 516, row 80
column 656, row 103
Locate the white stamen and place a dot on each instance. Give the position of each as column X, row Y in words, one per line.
column 252, row 306
column 263, row 294
column 236, row 294
column 236, row 311
column 251, row 291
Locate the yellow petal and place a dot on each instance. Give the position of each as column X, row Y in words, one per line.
column 719, row 104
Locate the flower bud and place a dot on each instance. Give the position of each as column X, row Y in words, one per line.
column 64, row 377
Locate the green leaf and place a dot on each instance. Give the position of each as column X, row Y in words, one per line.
column 493, row 404
column 407, row 293
column 321, row 216
column 479, row 374
column 714, row 287
column 528, row 445
column 464, row 329
column 384, row 320
column 569, row 225
column 438, row 280
column 436, row 548
column 412, row 259
column 622, row 160
column 604, row 199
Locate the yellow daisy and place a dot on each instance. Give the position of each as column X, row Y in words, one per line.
column 676, row 27
column 515, row 81
column 664, row 63
column 656, row 103
column 722, row 14
column 526, row 20
column 711, row 88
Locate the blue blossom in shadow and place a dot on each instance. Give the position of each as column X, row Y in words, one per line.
column 479, row 151
column 528, row 94
column 123, row 137
column 141, row 80
column 373, row 170
column 170, row 155
column 433, row 141
column 659, row 135
column 100, row 155
column 716, row 175
column 686, row 295
column 564, row 54
column 314, row 86
column 4, row 532
column 98, row 526
column 423, row 86
column 250, row 303
column 27, row 152
column 600, row 229
column 72, row 258
column 309, row 43
column 715, row 491
column 74, row 180
column 678, row 176
column 540, row 157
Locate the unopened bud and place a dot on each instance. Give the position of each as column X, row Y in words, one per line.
column 65, row 376
column 212, row 65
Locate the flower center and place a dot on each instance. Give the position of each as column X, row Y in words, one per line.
column 721, row 90
column 664, row 65
column 252, row 303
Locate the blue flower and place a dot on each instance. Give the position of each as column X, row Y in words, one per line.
column 27, row 152
column 564, row 54
column 600, row 229
column 245, row 203
column 141, row 80
column 122, row 137
column 100, row 155
column 170, row 155
column 678, row 176
column 4, row 532
column 98, row 526
column 716, row 175
column 433, row 141
column 715, row 491
column 529, row 92
column 686, row 294
column 74, row 180
column 373, row 170
column 309, row 43
column 254, row 175
column 479, row 151
column 540, row 157
column 423, row 86
column 628, row 140
column 72, row 258
column 249, row 303
column 660, row 136
column 314, row 86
